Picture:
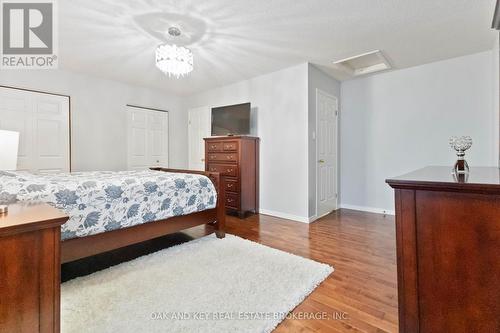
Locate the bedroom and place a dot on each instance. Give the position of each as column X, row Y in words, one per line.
column 341, row 99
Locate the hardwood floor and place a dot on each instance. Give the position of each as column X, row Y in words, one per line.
column 360, row 296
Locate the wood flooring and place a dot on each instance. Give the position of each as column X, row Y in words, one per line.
column 360, row 295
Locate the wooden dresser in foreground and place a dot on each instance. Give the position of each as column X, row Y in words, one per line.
column 448, row 250
column 237, row 159
column 30, row 268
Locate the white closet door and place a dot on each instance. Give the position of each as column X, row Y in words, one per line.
column 198, row 128
column 43, row 123
column 147, row 138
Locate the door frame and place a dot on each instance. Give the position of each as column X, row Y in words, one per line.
column 320, row 91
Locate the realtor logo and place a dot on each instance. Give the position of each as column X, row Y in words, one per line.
column 29, row 34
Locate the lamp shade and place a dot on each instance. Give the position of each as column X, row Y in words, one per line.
column 9, row 142
column 496, row 17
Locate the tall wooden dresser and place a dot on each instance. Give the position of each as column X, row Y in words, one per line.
column 448, row 250
column 237, row 159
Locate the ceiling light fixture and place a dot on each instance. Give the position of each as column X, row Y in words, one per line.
column 174, row 60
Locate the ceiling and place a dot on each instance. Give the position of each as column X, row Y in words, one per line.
column 234, row 40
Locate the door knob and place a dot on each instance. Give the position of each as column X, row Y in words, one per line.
column 321, row 161
column 203, row 160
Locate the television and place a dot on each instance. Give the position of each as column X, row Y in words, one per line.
column 231, row 120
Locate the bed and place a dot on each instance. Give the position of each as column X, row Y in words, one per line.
column 109, row 210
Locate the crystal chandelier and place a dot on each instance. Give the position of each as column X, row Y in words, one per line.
column 174, row 60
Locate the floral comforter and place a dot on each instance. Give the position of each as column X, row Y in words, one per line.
column 101, row 201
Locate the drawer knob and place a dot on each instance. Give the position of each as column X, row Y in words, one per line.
column 228, row 157
column 230, row 200
column 229, row 185
column 229, row 170
column 213, row 147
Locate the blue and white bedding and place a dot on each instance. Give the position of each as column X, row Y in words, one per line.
column 102, row 201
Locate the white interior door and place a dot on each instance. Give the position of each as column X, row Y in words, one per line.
column 147, row 136
column 43, row 123
column 326, row 152
column 198, row 128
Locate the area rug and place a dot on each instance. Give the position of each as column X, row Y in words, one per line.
column 205, row 285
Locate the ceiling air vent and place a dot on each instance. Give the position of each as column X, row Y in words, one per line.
column 362, row 64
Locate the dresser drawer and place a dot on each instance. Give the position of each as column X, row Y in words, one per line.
column 214, row 146
column 232, row 200
column 225, row 170
column 223, row 157
column 231, row 185
column 230, row 146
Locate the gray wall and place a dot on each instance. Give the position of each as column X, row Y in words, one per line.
column 317, row 80
column 396, row 122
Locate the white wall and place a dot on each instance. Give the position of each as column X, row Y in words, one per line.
column 396, row 122
column 98, row 115
column 316, row 80
column 280, row 103
column 496, row 97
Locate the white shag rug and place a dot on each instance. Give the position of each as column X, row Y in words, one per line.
column 206, row 285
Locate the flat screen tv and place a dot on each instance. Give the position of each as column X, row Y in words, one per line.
column 231, row 120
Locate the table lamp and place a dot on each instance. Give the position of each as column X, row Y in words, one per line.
column 9, row 142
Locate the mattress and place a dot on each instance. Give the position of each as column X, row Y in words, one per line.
column 101, row 201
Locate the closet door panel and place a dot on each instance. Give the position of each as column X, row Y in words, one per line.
column 137, row 140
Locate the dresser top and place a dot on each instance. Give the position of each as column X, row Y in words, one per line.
column 479, row 180
column 27, row 216
column 229, row 137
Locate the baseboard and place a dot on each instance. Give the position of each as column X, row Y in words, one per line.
column 369, row 209
column 296, row 218
column 305, row 219
column 316, row 217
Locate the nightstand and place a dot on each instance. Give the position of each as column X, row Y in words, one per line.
column 30, row 268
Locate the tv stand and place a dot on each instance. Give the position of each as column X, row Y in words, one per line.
column 236, row 157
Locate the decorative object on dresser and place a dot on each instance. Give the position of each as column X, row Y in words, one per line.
column 448, row 245
column 237, row 160
column 30, row 267
column 461, row 144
